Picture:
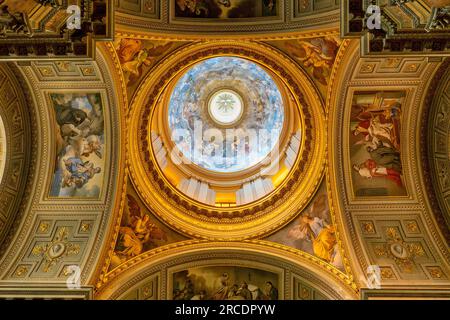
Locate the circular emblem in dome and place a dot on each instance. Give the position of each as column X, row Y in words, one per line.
column 225, row 107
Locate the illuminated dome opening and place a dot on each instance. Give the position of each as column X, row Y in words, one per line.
column 226, row 114
column 225, row 107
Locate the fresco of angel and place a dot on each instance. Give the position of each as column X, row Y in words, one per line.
column 138, row 233
column 313, row 231
column 314, row 228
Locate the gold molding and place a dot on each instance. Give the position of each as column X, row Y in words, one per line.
column 286, row 35
column 109, row 54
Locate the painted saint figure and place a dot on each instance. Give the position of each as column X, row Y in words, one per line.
column 315, row 230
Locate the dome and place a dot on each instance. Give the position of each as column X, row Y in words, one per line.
column 226, row 134
column 226, row 114
column 226, row 131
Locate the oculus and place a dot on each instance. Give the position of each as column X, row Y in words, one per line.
column 225, row 107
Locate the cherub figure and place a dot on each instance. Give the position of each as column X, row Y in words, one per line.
column 133, row 56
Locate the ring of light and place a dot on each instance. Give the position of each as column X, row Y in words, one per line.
column 225, row 107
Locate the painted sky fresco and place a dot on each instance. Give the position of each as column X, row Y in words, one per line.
column 263, row 113
column 375, row 150
column 80, row 158
column 225, row 9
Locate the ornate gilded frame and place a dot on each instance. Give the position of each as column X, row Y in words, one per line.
column 290, row 264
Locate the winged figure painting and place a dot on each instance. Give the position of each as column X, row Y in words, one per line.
column 137, row 233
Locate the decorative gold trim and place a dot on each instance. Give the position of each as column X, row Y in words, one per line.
column 108, row 52
column 126, row 32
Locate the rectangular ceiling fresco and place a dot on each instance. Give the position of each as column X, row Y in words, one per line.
column 226, row 9
column 80, row 147
column 375, row 151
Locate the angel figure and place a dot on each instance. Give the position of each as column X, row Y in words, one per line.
column 133, row 55
column 314, row 227
column 139, row 233
column 316, row 53
column 52, row 3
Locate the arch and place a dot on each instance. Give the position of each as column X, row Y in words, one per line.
column 291, row 268
column 435, row 147
column 16, row 147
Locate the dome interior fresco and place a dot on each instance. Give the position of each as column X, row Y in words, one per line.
column 259, row 107
column 224, row 150
column 219, row 134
